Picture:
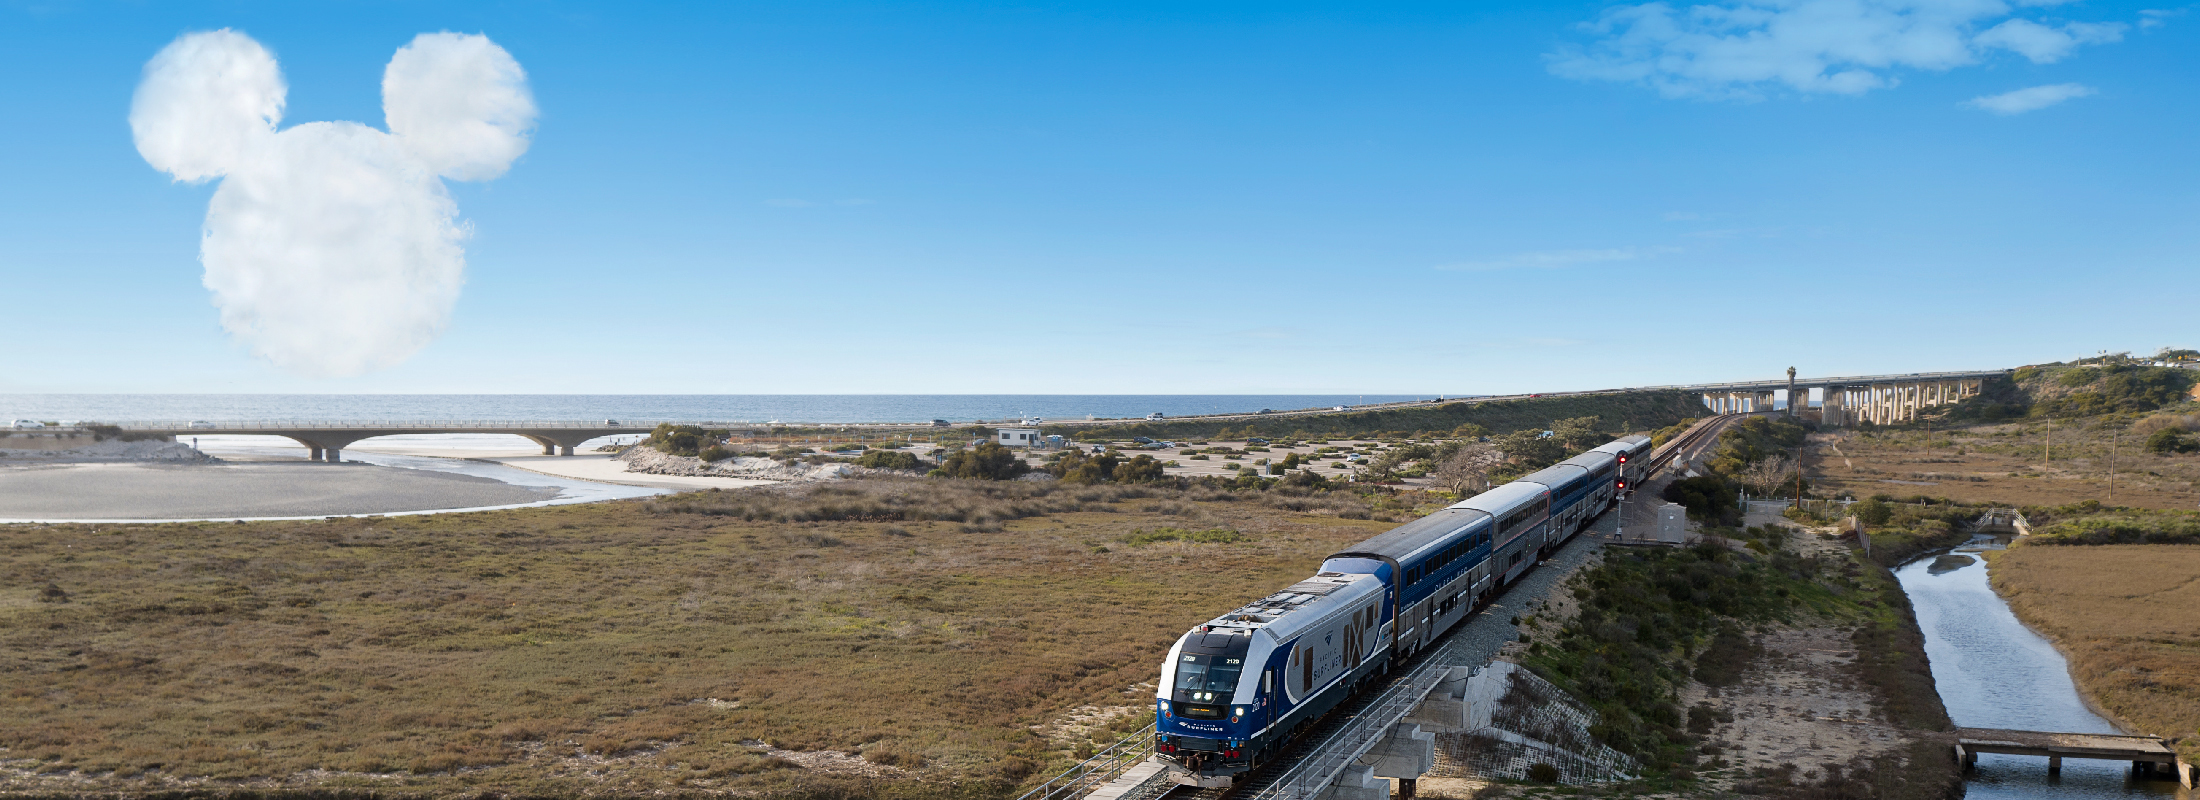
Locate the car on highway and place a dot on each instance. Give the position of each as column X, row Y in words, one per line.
column 1265, row 411
column 610, row 422
column 26, row 423
column 1154, row 415
column 1337, row 408
column 200, row 423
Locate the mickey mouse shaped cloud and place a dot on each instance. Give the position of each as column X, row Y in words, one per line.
column 333, row 248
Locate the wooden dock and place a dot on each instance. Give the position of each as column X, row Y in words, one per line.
column 2147, row 754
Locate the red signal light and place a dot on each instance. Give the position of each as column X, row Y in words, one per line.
column 1623, row 459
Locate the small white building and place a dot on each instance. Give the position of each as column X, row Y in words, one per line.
column 1019, row 437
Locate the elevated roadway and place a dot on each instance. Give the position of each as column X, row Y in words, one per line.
column 326, row 440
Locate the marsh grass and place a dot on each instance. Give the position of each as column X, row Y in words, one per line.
column 2125, row 615
column 924, row 625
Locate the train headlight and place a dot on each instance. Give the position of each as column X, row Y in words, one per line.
column 1237, row 712
column 1164, row 705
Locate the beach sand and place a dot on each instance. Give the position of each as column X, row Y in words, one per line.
column 265, row 489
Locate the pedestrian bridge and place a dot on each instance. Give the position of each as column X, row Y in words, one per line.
column 325, row 440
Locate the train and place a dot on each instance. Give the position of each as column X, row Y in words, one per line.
column 1234, row 691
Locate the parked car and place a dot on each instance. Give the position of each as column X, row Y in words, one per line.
column 1256, row 440
column 200, row 423
column 1143, row 440
column 27, row 423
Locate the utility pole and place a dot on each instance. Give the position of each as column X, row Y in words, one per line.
column 1798, row 478
column 2112, row 440
column 2048, row 456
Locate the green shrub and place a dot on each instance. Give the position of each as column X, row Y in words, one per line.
column 1872, row 512
column 889, row 459
column 714, row 453
column 1709, row 498
column 1209, row 536
column 2171, row 440
column 988, row 461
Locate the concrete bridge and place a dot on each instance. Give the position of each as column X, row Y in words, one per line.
column 325, row 441
column 1878, row 399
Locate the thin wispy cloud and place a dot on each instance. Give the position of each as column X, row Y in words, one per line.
column 2032, row 99
column 1556, row 259
column 1744, row 49
column 2157, row 17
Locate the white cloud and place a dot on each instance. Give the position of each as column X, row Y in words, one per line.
column 2157, row 17
column 2045, row 45
column 1553, row 259
column 332, row 248
column 2033, row 99
column 1737, row 49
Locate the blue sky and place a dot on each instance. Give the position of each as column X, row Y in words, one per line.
column 1176, row 198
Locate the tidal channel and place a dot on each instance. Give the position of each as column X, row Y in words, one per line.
column 1993, row 672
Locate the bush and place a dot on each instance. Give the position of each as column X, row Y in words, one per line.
column 1708, row 498
column 988, row 461
column 714, row 453
column 2171, row 440
column 889, row 459
column 1872, row 512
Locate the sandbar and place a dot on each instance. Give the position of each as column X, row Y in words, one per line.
column 223, row 491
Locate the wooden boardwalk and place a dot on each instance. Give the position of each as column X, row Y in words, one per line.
column 2146, row 753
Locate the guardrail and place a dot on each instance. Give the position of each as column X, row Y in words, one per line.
column 1311, row 776
column 1102, row 767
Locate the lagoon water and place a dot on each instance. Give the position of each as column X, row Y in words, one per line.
column 1993, row 672
column 819, row 408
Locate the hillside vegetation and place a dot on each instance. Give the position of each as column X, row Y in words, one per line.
column 1626, row 410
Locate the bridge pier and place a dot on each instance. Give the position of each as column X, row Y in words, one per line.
column 313, row 453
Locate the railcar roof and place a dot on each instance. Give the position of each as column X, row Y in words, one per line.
column 1404, row 540
column 1556, row 474
column 1503, row 499
column 1591, row 461
column 1284, row 613
column 1624, row 444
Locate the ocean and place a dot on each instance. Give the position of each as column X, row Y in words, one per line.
column 786, row 408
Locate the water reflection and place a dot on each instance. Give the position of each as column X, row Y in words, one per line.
column 1993, row 672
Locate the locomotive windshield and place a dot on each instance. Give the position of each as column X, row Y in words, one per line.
column 1208, row 679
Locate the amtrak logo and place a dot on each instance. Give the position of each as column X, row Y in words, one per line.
column 1328, row 638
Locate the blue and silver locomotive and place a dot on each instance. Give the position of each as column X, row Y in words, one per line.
column 1238, row 688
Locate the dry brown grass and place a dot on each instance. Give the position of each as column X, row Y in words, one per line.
column 2006, row 464
column 616, row 647
column 2127, row 617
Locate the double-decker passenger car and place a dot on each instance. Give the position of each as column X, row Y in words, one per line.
column 1239, row 687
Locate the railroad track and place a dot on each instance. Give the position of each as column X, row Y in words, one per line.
column 1257, row 784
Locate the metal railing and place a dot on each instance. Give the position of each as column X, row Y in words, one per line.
column 1312, row 775
column 1103, row 766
